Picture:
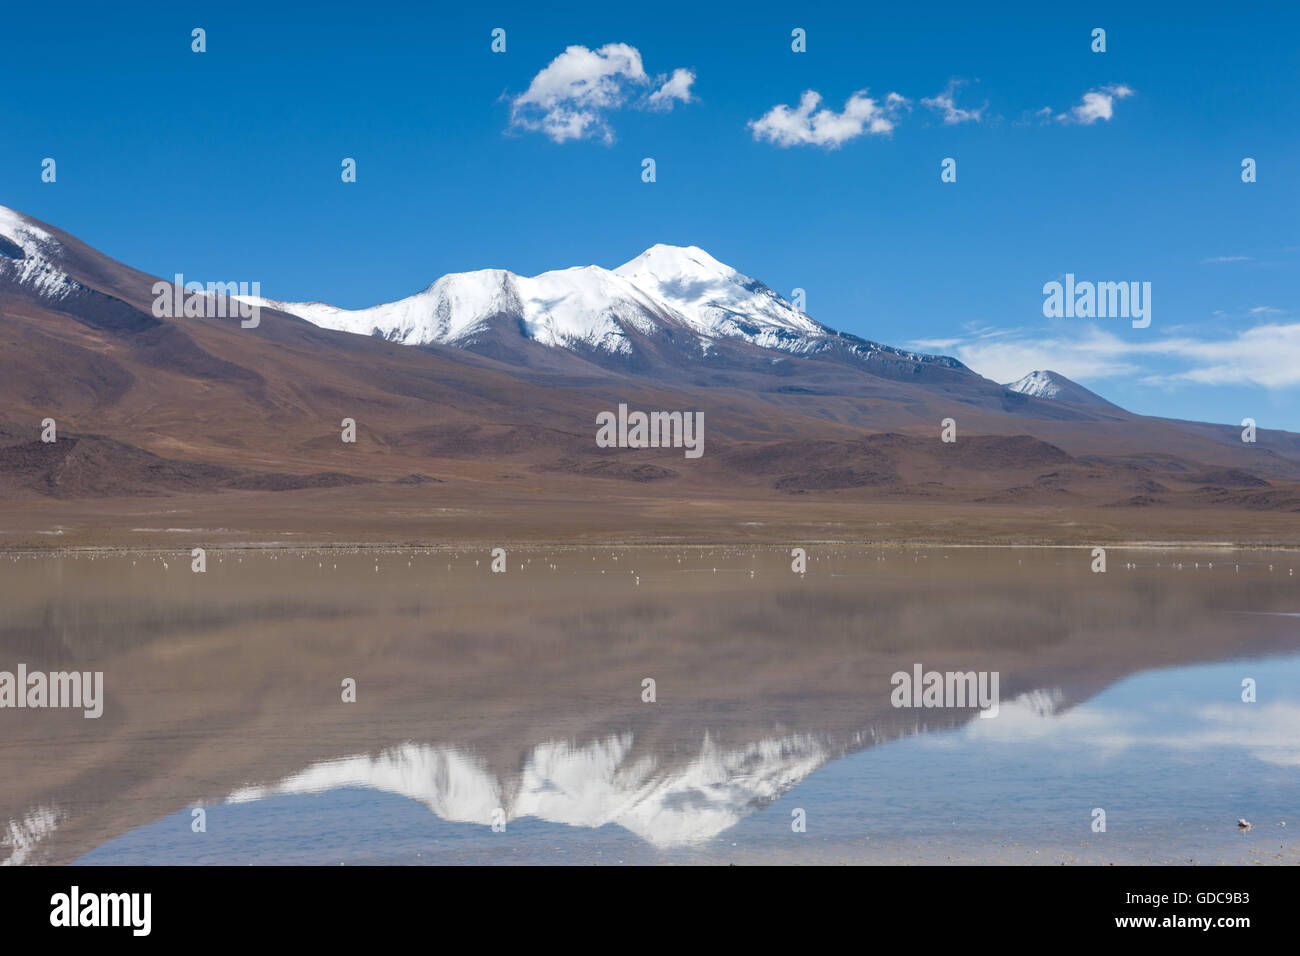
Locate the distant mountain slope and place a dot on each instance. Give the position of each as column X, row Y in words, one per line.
column 1054, row 385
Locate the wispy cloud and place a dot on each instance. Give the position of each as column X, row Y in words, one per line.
column 1005, row 355
column 1226, row 259
column 945, row 104
column 572, row 97
column 1265, row 355
column 806, row 125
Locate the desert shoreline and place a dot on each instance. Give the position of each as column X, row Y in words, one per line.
column 455, row 547
column 467, row 516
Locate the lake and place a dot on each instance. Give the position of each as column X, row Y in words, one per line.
column 610, row 705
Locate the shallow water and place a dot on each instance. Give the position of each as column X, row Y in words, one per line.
column 522, row 692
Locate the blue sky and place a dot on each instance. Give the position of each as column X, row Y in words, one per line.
column 225, row 165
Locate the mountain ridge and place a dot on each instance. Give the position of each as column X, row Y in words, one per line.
column 196, row 405
column 681, row 292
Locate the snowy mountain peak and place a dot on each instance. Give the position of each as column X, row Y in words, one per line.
column 1054, row 385
column 1040, row 384
column 715, row 299
column 670, row 261
column 676, row 290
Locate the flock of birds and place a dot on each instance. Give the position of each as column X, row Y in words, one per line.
column 486, row 556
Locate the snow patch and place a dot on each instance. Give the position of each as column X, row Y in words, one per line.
column 33, row 270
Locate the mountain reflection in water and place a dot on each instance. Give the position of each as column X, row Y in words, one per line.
column 523, row 691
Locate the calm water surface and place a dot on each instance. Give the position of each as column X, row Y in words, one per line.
column 522, row 693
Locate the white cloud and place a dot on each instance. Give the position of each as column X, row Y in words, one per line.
column 809, row 126
column 1097, row 105
column 1213, row 259
column 1006, row 355
column 676, row 87
column 573, row 95
column 946, row 103
column 1266, row 355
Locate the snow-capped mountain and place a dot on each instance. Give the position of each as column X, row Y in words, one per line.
column 674, row 314
column 671, row 304
column 47, row 268
column 715, row 299
column 1037, row 383
column 664, row 314
column 586, row 306
column 667, row 290
column 26, row 254
column 1054, row 385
